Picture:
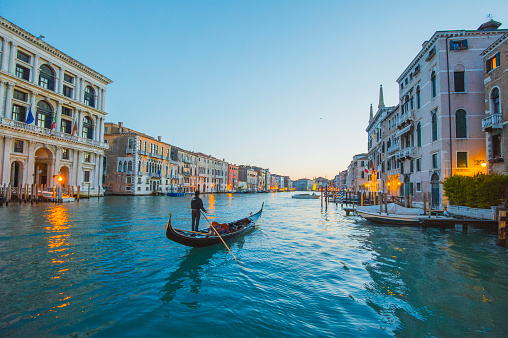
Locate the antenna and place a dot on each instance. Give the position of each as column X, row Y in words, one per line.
column 490, row 17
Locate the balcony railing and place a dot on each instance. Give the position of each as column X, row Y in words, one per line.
column 407, row 116
column 129, row 151
column 143, row 152
column 406, row 152
column 492, row 121
column 33, row 129
column 393, row 148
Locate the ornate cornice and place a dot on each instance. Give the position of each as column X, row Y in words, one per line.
column 9, row 26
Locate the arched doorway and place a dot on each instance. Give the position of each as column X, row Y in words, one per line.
column 42, row 169
column 16, row 174
column 64, row 174
column 434, row 188
column 407, row 187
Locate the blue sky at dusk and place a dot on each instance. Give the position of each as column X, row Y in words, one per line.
column 284, row 85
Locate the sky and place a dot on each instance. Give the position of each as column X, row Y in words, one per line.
column 284, row 85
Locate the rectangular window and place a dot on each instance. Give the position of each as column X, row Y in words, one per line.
column 67, row 111
column 66, row 126
column 431, row 54
column 65, row 154
column 418, row 164
column 461, row 159
column 68, row 78
column 434, row 161
column 18, row 146
column 418, row 187
column 458, row 81
column 23, row 57
column 363, row 174
column 402, row 167
column 496, row 146
column 22, row 96
column 19, row 113
column 492, row 63
column 22, row 72
column 411, row 166
column 417, row 69
column 458, row 44
column 87, row 157
column 128, row 180
column 87, row 176
column 67, row 91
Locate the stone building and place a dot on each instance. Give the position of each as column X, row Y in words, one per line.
column 138, row 164
column 52, row 111
column 232, row 178
column 357, row 174
column 442, row 100
column 495, row 123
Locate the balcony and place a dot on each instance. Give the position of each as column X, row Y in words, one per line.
column 143, row 152
column 43, row 132
column 406, row 117
column 129, row 151
column 393, row 148
column 492, row 121
column 408, row 152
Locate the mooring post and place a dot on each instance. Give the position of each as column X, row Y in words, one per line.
column 79, row 188
column 380, row 202
column 502, row 227
column 361, row 198
column 32, row 195
column 36, row 194
column 321, row 189
column 88, row 191
column 425, row 203
column 405, row 200
column 72, row 191
column 99, row 193
column 386, row 204
column 410, row 200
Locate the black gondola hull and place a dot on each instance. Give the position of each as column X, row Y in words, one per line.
column 200, row 242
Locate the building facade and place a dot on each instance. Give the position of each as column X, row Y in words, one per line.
column 495, row 122
column 52, row 112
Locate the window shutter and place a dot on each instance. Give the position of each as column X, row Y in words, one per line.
column 452, row 45
column 465, row 44
column 497, row 59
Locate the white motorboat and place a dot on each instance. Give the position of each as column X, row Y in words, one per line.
column 306, row 196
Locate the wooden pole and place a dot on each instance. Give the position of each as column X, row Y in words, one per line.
column 99, row 193
column 502, row 227
column 361, row 199
column 88, row 191
column 386, row 204
column 380, row 202
column 410, row 200
column 227, row 247
column 321, row 196
column 405, row 200
column 36, row 194
column 72, row 191
column 79, row 188
column 425, row 203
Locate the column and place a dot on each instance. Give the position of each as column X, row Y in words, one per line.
column 5, row 48
column 81, row 90
column 60, row 81
column 95, row 128
column 76, row 89
column 97, row 171
column 80, row 123
column 79, row 178
column 31, row 162
column 58, row 116
column 2, row 86
column 35, row 69
column 98, row 98
column 73, row 173
column 32, row 105
column 12, row 57
column 103, row 100
column 99, row 181
column 6, row 170
column 8, row 100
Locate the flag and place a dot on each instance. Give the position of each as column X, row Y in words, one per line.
column 367, row 167
column 30, row 117
column 75, row 128
column 53, row 124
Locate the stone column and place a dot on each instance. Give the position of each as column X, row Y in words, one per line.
column 96, row 128
column 99, row 98
column 12, row 57
column 35, row 69
column 60, row 81
column 2, row 86
column 78, row 161
column 5, row 48
column 8, row 100
column 81, row 90
column 58, row 116
column 76, row 89
column 31, row 162
column 6, row 165
column 103, row 100
column 80, row 123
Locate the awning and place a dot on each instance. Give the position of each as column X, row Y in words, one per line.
column 403, row 130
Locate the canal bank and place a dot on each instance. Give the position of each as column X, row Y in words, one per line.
column 105, row 267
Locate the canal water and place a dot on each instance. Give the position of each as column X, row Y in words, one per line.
column 105, row 268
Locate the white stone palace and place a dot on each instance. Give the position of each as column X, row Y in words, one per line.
column 52, row 111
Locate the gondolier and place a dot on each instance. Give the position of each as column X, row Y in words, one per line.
column 196, row 206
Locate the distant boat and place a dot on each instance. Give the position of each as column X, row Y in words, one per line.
column 396, row 214
column 175, row 194
column 306, row 196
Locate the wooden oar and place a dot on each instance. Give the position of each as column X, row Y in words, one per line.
column 227, row 247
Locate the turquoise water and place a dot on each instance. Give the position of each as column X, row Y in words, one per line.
column 104, row 267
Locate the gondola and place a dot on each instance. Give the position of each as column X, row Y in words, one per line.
column 200, row 239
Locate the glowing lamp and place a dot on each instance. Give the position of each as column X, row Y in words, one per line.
column 483, row 164
column 60, row 178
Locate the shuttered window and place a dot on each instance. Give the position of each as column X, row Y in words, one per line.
column 460, row 124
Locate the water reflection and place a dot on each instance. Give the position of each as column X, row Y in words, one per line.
column 58, row 244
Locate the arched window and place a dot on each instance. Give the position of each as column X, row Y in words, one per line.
column 419, row 134
column 119, row 166
column 459, row 84
column 129, row 166
column 434, row 126
column 87, row 128
column 418, row 99
column 494, row 98
column 125, row 166
column 433, row 84
column 130, row 144
column 44, row 115
column 460, row 124
column 47, row 77
column 139, row 166
column 89, row 96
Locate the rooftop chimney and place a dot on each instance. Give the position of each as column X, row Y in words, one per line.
column 159, row 138
column 425, row 43
column 120, row 127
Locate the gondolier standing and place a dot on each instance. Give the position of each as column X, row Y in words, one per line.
column 196, row 206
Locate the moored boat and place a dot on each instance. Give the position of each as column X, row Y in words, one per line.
column 199, row 239
column 396, row 215
column 306, row 196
